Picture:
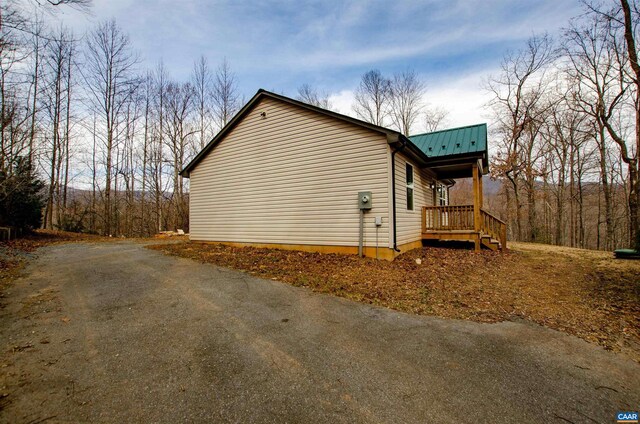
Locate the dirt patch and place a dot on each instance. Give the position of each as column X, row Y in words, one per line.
column 15, row 253
column 584, row 293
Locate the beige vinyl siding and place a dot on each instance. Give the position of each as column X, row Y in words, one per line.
column 409, row 225
column 290, row 178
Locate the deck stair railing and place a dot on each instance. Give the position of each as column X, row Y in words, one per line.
column 493, row 227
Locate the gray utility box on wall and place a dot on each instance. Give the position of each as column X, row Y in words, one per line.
column 364, row 200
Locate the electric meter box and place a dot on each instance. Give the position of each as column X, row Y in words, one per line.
column 364, row 200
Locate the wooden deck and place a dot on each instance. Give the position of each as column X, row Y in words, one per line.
column 464, row 222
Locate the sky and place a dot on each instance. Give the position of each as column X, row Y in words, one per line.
column 453, row 45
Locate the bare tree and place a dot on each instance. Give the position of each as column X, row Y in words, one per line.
column 110, row 84
column 435, row 118
column 78, row 4
column 566, row 132
column 225, row 94
column 594, row 79
column 179, row 132
column 37, row 41
column 517, row 98
column 147, row 91
column 202, row 79
column 631, row 158
column 157, row 146
column 406, row 105
column 372, row 97
column 13, row 52
column 16, row 15
column 308, row 94
column 70, row 81
column 57, row 102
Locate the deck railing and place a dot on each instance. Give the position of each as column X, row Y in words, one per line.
column 462, row 218
column 447, row 218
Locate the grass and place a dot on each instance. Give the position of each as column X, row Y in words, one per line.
column 585, row 293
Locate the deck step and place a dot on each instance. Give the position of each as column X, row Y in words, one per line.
column 490, row 242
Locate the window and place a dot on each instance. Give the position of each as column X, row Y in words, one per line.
column 443, row 195
column 409, row 173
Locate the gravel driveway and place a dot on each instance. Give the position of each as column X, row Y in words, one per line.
column 114, row 332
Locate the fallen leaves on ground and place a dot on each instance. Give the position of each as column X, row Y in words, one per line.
column 584, row 293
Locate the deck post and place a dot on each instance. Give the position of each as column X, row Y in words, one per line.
column 503, row 237
column 477, row 198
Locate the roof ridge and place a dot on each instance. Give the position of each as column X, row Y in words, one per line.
column 449, row 129
column 337, row 114
column 281, row 97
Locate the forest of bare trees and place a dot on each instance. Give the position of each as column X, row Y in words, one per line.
column 108, row 137
column 566, row 128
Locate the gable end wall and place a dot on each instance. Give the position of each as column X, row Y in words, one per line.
column 291, row 178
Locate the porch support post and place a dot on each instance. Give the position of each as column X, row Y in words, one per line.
column 477, row 198
column 480, row 190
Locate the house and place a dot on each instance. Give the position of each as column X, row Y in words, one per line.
column 290, row 175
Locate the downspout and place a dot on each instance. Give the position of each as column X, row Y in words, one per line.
column 393, row 189
column 449, row 192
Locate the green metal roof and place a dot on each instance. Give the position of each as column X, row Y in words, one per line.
column 455, row 141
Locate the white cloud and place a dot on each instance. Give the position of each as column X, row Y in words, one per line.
column 342, row 102
column 463, row 96
column 361, row 55
column 445, row 28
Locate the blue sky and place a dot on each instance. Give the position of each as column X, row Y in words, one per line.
column 278, row 45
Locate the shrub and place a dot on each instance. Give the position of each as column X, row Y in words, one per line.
column 21, row 199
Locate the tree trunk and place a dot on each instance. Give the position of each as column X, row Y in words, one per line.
column 606, row 189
